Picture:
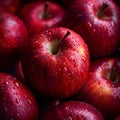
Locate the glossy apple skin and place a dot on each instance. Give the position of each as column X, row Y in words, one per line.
column 13, row 39
column 50, row 74
column 3, row 9
column 100, row 89
column 74, row 110
column 100, row 34
column 31, row 14
column 17, row 101
column 11, row 5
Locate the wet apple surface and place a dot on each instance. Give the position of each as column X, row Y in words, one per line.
column 59, row 59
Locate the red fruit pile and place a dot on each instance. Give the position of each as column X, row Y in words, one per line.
column 60, row 60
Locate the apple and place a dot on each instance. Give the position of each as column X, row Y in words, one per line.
column 98, row 22
column 11, row 5
column 16, row 101
column 102, row 87
column 73, row 110
column 41, row 15
column 56, row 62
column 13, row 40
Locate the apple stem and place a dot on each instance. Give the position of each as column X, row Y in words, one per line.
column 57, row 46
column 114, row 77
column 66, row 35
column 46, row 10
column 100, row 13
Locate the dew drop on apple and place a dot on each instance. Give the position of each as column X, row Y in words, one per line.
column 65, row 68
column 89, row 24
column 17, row 100
column 83, row 59
column 7, row 83
column 69, row 118
column 113, row 85
column 112, row 23
column 29, row 101
column 17, row 84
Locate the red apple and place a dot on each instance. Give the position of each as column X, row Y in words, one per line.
column 16, row 100
column 13, row 39
column 98, row 22
column 117, row 118
column 56, row 62
column 102, row 88
column 73, row 110
column 41, row 15
column 11, row 5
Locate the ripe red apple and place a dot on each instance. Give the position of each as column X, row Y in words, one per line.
column 117, row 118
column 13, row 39
column 11, row 5
column 56, row 62
column 73, row 110
column 41, row 15
column 102, row 88
column 98, row 22
column 16, row 100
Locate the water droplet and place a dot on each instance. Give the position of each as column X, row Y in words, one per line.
column 29, row 101
column 113, row 86
column 89, row 24
column 65, row 68
column 112, row 23
column 17, row 100
column 17, row 84
column 69, row 118
column 83, row 59
column 7, row 83
column 75, row 64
